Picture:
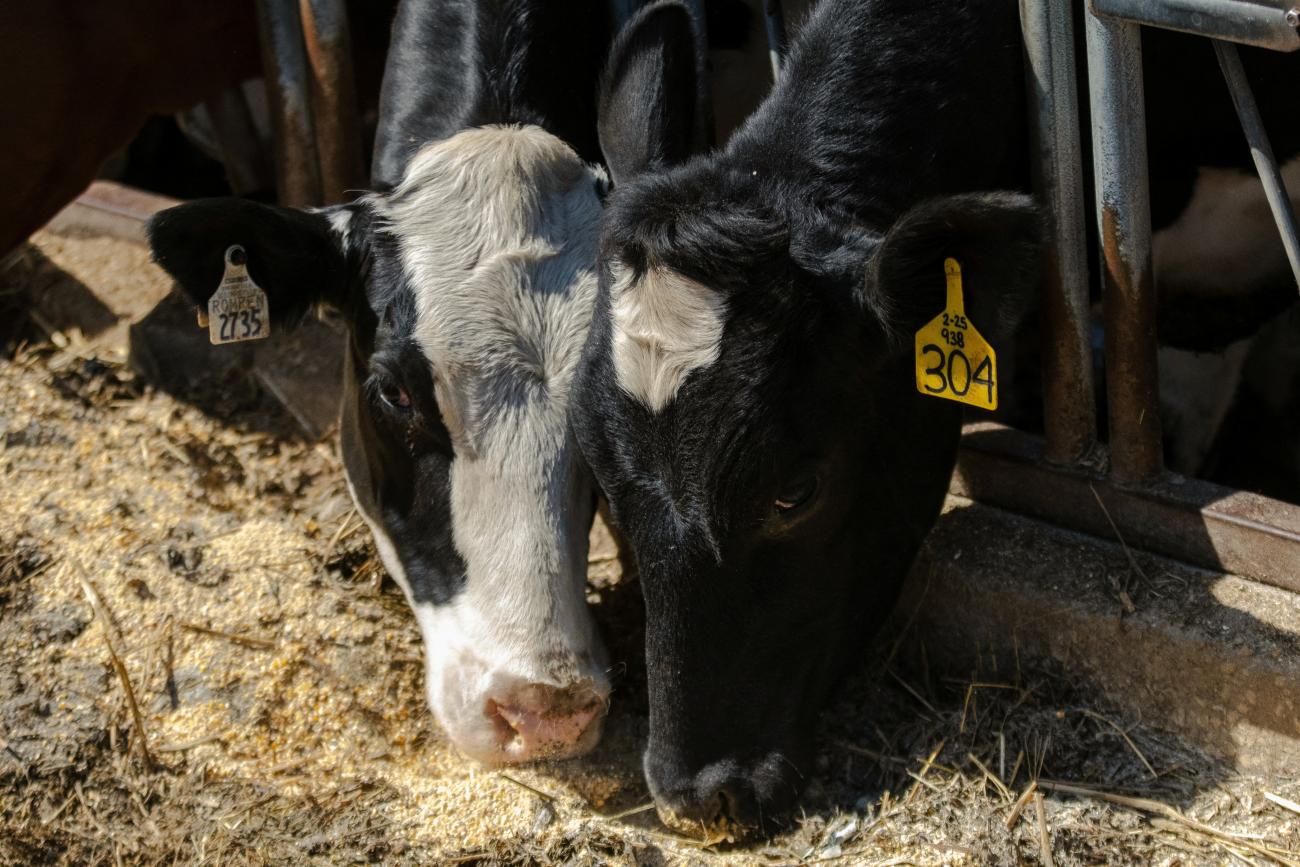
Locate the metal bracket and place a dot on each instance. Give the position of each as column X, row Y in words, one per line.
column 1264, row 23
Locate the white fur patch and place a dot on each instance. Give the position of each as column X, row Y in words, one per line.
column 1225, row 239
column 341, row 222
column 498, row 230
column 1223, row 243
column 665, row 326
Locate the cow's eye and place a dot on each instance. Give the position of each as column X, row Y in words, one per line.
column 394, row 396
column 795, row 493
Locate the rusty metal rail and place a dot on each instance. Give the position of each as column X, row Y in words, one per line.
column 1069, row 410
column 1119, row 157
column 1194, row 521
column 307, row 60
column 1125, row 490
column 334, row 97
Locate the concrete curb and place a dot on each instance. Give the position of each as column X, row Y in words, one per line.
column 1210, row 657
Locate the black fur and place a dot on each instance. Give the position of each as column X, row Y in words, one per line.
column 649, row 93
column 824, row 224
column 455, row 64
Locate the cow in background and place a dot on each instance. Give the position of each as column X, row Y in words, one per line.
column 467, row 281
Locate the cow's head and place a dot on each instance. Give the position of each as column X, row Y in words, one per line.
column 468, row 290
column 747, row 402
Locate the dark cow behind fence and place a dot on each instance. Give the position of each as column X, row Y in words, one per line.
column 748, row 397
column 468, row 287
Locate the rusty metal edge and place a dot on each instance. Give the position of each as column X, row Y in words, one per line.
column 1123, row 219
column 110, row 208
column 1069, row 405
column 1197, row 522
column 328, row 42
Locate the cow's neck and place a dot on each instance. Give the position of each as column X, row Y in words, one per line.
column 887, row 102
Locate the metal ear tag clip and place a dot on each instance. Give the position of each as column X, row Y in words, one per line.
column 238, row 310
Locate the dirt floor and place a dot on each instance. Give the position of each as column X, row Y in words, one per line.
column 201, row 661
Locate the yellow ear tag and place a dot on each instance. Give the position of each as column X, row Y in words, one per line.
column 952, row 360
column 238, row 310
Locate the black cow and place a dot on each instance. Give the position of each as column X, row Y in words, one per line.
column 748, row 396
column 468, row 283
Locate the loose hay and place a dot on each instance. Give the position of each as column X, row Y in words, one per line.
column 280, row 685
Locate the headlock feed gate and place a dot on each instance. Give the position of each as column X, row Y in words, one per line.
column 1067, row 478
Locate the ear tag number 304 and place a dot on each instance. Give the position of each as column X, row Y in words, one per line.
column 952, row 360
column 238, row 310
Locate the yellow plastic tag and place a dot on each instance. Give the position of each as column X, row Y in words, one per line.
column 238, row 310
column 952, row 360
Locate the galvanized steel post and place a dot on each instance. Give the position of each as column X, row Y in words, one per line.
column 334, row 97
column 1124, row 227
column 1069, row 410
column 774, row 23
column 1260, row 149
column 284, row 63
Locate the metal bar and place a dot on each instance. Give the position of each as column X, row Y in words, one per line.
column 1191, row 520
column 774, row 22
column 334, row 97
column 1124, row 227
column 1069, row 408
column 1260, row 150
column 288, row 82
column 1265, row 23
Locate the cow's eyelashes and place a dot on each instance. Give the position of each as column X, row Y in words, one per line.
column 797, row 492
column 390, row 394
column 395, row 396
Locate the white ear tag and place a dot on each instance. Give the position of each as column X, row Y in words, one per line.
column 238, row 310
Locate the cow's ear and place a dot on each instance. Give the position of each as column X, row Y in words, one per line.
column 651, row 106
column 299, row 258
column 996, row 238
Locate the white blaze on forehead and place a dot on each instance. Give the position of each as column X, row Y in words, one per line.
column 665, row 326
column 497, row 231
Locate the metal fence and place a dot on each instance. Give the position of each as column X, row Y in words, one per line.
column 1124, row 490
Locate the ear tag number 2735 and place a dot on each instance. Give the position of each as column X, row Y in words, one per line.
column 952, row 360
column 238, row 310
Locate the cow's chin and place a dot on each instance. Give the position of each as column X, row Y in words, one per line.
column 510, row 706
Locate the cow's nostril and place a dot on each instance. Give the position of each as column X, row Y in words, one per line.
column 540, row 721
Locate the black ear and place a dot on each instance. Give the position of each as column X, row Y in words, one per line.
column 296, row 256
column 996, row 238
column 651, row 106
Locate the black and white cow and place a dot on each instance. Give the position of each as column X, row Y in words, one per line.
column 747, row 398
column 468, row 283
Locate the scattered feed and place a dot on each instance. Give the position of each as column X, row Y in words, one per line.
column 278, row 678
